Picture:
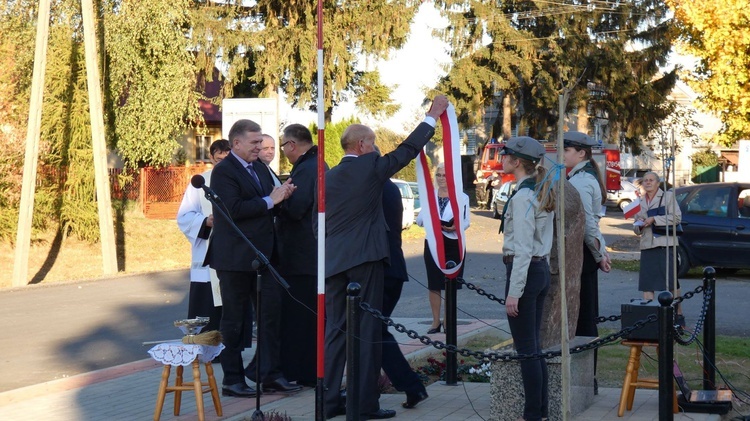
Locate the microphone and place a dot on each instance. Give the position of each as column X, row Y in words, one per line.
column 200, row 183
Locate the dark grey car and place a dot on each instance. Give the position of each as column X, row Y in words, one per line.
column 716, row 226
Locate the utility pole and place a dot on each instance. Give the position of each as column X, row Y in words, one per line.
column 31, row 158
column 96, row 111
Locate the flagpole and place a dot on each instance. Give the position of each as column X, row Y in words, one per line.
column 320, row 384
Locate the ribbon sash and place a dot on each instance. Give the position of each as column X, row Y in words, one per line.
column 427, row 190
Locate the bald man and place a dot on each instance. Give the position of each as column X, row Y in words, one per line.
column 357, row 250
column 266, row 155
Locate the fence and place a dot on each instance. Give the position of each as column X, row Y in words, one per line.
column 157, row 190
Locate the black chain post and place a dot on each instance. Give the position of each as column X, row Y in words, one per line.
column 451, row 336
column 666, row 356
column 352, row 351
column 709, row 330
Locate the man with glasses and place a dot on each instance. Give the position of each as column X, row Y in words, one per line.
column 298, row 258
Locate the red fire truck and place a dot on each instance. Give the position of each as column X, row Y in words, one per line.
column 490, row 175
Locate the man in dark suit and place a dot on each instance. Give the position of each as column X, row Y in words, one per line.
column 298, row 258
column 395, row 366
column 357, row 248
column 248, row 196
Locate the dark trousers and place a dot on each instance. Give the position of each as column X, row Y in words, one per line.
column 370, row 277
column 525, row 328
column 589, row 296
column 269, row 332
column 398, row 370
column 238, row 297
column 299, row 330
column 201, row 304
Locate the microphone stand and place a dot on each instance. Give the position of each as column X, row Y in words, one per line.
column 260, row 263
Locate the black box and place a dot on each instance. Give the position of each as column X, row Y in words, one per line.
column 638, row 310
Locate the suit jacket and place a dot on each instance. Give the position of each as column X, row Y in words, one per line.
column 393, row 210
column 298, row 246
column 242, row 199
column 355, row 225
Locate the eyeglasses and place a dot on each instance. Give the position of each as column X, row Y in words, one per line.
column 286, row 143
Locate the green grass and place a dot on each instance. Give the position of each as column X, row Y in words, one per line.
column 732, row 361
column 635, row 266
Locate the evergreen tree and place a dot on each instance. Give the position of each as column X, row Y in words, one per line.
column 285, row 48
column 551, row 47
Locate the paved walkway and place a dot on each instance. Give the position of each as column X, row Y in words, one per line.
column 128, row 392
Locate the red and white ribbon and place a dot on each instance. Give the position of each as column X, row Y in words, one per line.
column 428, row 191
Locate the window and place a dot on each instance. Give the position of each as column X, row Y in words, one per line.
column 202, row 145
column 743, row 203
column 709, row 202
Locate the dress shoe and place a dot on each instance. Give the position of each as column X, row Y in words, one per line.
column 239, row 390
column 412, row 399
column 380, row 414
column 281, row 385
column 435, row 330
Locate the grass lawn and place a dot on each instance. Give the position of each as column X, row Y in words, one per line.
column 144, row 245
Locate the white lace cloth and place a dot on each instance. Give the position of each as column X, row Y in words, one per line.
column 178, row 353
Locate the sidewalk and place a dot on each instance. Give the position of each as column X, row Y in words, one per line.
column 128, row 392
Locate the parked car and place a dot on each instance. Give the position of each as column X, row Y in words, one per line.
column 407, row 198
column 623, row 197
column 500, row 198
column 415, row 191
column 716, row 226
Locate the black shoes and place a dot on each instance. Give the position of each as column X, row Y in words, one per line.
column 435, row 330
column 281, row 385
column 413, row 399
column 380, row 414
column 238, row 390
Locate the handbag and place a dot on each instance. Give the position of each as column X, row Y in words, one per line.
column 661, row 230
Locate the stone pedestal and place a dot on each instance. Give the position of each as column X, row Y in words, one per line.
column 506, row 387
column 574, row 225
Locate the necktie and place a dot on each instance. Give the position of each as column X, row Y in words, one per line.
column 251, row 170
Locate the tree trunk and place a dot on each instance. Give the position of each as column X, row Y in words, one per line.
column 583, row 117
column 507, row 117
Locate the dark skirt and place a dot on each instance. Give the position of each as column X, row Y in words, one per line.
column 201, row 304
column 653, row 273
column 435, row 276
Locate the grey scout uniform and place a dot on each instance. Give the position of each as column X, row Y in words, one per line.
column 525, row 220
column 591, row 197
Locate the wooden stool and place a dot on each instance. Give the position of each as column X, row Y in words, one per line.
column 195, row 386
column 632, row 381
column 180, row 355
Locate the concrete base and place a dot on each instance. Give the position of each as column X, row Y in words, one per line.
column 506, row 387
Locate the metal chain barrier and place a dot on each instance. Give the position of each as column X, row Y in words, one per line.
column 678, row 331
column 494, row 356
column 686, row 296
column 480, row 291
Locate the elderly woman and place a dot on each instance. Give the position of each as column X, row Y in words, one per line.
column 658, row 209
column 448, row 221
